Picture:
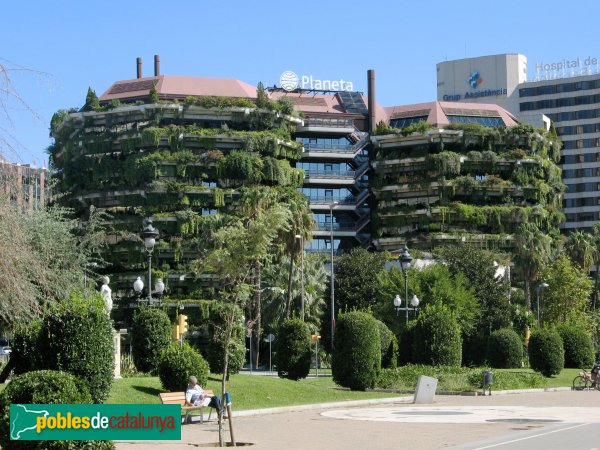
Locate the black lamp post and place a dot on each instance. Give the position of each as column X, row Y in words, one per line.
column 405, row 260
column 149, row 235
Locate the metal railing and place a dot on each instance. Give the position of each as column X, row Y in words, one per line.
column 329, row 173
column 329, row 123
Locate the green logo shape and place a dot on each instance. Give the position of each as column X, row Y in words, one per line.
column 94, row 422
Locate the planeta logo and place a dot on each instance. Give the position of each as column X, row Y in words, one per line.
column 289, row 80
column 475, row 80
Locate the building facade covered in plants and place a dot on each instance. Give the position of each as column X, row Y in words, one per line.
column 462, row 173
column 173, row 149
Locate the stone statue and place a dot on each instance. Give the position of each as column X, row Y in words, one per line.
column 106, row 293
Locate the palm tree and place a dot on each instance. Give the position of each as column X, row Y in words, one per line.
column 300, row 231
column 532, row 252
column 581, row 248
column 275, row 296
column 596, row 235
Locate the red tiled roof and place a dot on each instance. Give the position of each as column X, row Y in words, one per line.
column 439, row 111
column 174, row 86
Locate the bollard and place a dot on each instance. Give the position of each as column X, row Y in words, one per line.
column 487, row 380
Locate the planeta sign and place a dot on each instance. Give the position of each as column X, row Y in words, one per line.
column 290, row 82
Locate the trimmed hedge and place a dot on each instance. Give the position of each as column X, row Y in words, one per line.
column 45, row 387
column 214, row 352
column 177, row 364
column 150, row 335
column 76, row 337
column 436, row 337
column 356, row 358
column 389, row 347
column 578, row 346
column 505, row 349
column 292, row 350
column 546, row 353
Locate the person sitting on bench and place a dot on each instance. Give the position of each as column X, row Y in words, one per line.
column 194, row 396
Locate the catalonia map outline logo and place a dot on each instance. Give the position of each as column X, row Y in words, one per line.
column 475, row 80
column 289, row 80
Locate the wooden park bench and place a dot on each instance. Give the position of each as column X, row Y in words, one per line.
column 178, row 398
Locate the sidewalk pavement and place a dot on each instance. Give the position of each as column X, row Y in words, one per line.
column 304, row 427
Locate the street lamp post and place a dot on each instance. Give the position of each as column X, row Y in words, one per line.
column 331, row 206
column 540, row 286
column 405, row 260
column 149, row 235
column 301, row 239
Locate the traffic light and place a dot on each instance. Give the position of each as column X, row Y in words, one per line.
column 183, row 325
column 175, row 332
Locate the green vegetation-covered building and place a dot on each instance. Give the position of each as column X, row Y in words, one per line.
column 444, row 174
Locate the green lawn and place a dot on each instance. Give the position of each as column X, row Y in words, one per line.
column 247, row 391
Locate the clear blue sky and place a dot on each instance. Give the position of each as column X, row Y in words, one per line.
column 77, row 44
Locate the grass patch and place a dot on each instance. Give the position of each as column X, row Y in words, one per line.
column 247, row 392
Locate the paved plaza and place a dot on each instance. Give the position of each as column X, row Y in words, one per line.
column 397, row 423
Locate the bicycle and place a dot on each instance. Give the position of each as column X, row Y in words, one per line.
column 587, row 380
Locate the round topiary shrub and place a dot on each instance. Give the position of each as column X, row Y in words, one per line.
column 26, row 355
column 80, row 336
column 578, row 346
column 44, row 387
column 546, row 353
column 436, row 338
column 214, row 352
column 150, row 335
column 292, row 350
column 504, row 349
column 389, row 347
column 356, row 357
column 177, row 364
column 76, row 337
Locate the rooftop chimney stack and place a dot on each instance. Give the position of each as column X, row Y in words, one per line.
column 139, row 67
column 156, row 65
column 372, row 104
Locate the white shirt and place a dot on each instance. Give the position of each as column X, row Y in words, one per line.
column 194, row 394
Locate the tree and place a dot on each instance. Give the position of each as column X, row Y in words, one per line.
column 581, row 248
column 44, row 257
column 232, row 253
column 92, row 102
column 274, row 295
column 532, row 251
column 10, row 101
column 356, row 285
column 568, row 291
column 479, row 267
column 262, row 98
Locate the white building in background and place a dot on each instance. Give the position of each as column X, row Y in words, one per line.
column 566, row 92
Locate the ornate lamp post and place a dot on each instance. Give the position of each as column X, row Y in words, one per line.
column 149, row 235
column 405, row 260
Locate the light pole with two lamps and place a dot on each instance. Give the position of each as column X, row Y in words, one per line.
column 149, row 235
column 405, row 261
column 414, row 302
column 159, row 288
column 540, row 287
